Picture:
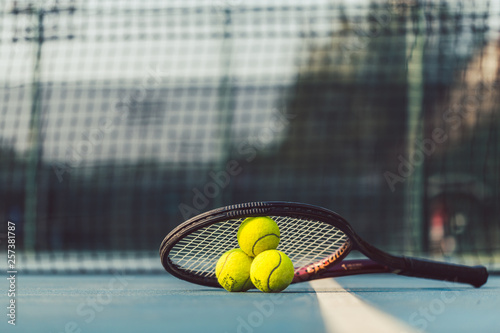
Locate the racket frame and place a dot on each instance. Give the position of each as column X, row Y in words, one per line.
column 331, row 266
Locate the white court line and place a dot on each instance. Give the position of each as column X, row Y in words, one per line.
column 343, row 312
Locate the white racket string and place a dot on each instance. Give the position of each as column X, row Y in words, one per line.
column 305, row 241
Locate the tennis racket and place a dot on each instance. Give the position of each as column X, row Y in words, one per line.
column 316, row 240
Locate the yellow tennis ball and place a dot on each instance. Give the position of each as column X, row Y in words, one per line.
column 258, row 234
column 233, row 270
column 271, row 271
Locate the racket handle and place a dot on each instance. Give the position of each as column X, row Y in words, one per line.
column 476, row 276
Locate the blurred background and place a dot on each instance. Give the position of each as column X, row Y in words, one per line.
column 121, row 119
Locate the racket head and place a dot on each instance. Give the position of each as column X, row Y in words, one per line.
column 313, row 237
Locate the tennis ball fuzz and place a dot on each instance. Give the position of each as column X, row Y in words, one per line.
column 271, row 271
column 233, row 270
column 258, row 234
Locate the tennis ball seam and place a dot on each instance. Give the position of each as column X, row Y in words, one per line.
column 224, row 264
column 270, row 274
column 255, row 244
column 244, row 284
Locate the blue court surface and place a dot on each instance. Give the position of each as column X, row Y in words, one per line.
column 161, row 303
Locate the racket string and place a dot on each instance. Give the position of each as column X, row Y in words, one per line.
column 304, row 240
column 316, row 241
column 199, row 251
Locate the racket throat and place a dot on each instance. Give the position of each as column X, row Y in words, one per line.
column 308, row 272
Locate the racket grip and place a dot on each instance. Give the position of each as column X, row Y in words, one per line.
column 476, row 275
